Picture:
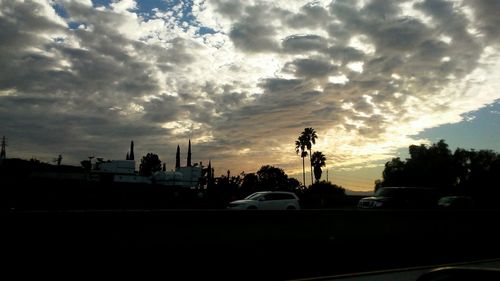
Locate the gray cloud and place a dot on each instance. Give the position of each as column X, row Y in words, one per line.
column 383, row 9
column 345, row 54
column 229, row 8
column 309, row 68
column 486, row 13
column 400, row 35
column 79, row 96
column 281, row 85
column 310, row 15
column 301, row 43
column 251, row 34
column 339, row 34
column 253, row 37
column 162, row 110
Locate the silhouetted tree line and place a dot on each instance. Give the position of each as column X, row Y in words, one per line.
column 319, row 195
column 474, row 173
column 227, row 188
column 34, row 185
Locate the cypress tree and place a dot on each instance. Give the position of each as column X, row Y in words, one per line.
column 131, row 155
column 178, row 158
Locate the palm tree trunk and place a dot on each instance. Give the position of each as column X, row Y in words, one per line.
column 310, row 160
column 303, row 172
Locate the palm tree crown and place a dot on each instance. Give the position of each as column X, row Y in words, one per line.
column 311, row 136
column 318, row 160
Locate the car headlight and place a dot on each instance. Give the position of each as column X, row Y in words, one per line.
column 378, row 204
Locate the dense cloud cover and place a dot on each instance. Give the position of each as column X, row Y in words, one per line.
column 241, row 78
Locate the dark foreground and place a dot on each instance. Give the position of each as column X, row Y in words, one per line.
column 240, row 245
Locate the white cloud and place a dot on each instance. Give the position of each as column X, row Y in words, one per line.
column 123, row 6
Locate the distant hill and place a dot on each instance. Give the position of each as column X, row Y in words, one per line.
column 358, row 193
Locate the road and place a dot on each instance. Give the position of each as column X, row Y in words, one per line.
column 404, row 274
column 250, row 245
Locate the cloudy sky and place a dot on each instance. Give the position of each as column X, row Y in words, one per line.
column 242, row 79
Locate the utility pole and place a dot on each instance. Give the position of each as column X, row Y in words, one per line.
column 189, row 155
column 2, row 153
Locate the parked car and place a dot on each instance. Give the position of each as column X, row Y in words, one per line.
column 455, row 273
column 456, row 202
column 401, row 198
column 267, row 200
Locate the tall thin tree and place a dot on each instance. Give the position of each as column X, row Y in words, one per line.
column 131, row 155
column 300, row 146
column 178, row 158
column 310, row 136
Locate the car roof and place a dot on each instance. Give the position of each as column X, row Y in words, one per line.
column 270, row 191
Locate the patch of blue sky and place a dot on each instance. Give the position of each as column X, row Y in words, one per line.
column 104, row 3
column 61, row 11
column 479, row 130
column 59, row 8
column 74, row 24
column 144, row 7
column 182, row 10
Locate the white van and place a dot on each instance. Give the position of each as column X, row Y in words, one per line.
column 268, row 200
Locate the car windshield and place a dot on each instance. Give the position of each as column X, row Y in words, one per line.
column 414, row 193
column 254, row 196
column 389, row 192
column 447, row 199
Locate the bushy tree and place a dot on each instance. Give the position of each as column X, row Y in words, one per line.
column 431, row 166
column 272, row 178
column 324, row 194
column 268, row 178
column 294, row 184
column 149, row 164
column 86, row 164
column 249, row 184
column 470, row 172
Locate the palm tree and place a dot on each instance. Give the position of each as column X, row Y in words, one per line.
column 318, row 160
column 310, row 136
column 300, row 146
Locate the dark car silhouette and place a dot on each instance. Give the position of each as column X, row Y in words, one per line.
column 456, row 202
column 401, row 198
